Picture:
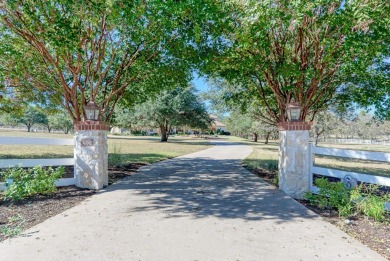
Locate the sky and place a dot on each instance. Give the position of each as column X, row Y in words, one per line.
column 200, row 83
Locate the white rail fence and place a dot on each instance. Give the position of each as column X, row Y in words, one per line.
column 11, row 163
column 33, row 129
column 357, row 141
column 355, row 154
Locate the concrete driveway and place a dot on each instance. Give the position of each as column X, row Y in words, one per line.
column 202, row 206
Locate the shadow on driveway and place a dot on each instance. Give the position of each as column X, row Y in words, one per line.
column 205, row 187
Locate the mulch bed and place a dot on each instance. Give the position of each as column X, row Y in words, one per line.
column 374, row 234
column 21, row 215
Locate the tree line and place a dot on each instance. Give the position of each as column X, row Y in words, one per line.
column 34, row 116
column 327, row 125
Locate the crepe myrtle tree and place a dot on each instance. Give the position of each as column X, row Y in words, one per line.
column 82, row 51
column 90, row 50
column 285, row 49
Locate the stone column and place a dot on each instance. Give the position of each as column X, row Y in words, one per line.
column 294, row 158
column 91, row 154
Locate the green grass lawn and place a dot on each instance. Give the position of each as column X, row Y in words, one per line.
column 266, row 157
column 143, row 149
column 148, row 149
column 355, row 165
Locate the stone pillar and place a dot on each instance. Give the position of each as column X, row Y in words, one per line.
column 294, row 158
column 91, row 154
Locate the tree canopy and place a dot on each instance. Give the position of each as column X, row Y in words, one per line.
column 282, row 49
column 369, row 88
column 270, row 51
column 77, row 51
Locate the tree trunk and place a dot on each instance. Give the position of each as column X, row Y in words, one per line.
column 316, row 139
column 164, row 134
column 255, row 136
column 28, row 128
column 267, row 137
column 49, row 129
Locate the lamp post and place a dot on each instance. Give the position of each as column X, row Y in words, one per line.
column 92, row 111
column 293, row 110
column 294, row 154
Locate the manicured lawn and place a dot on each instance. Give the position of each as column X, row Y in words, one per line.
column 355, row 165
column 143, row 149
column 266, row 157
column 35, row 151
column 367, row 147
column 150, row 149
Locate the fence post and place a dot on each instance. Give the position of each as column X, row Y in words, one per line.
column 311, row 163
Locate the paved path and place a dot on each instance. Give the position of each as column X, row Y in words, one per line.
column 202, row 206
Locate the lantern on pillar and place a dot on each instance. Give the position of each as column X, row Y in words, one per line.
column 293, row 110
column 92, row 111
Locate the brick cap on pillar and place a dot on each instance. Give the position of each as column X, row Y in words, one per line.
column 294, row 126
column 91, row 125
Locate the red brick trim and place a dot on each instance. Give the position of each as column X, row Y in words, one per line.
column 294, row 126
column 91, row 125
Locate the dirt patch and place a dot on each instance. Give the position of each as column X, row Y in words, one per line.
column 374, row 234
column 21, row 215
column 266, row 175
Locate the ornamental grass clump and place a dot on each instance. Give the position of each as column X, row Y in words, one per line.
column 28, row 182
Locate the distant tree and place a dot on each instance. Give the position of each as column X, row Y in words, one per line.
column 61, row 121
column 240, row 125
column 246, row 124
column 386, row 129
column 367, row 126
column 178, row 107
column 8, row 119
column 324, row 122
column 246, row 117
column 123, row 117
column 32, row 116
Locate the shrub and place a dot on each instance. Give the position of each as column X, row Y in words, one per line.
column 360, row 200
column 275, row 180
column 331, row 195
column 27, row 182
column 222, row 132
column 368, row 203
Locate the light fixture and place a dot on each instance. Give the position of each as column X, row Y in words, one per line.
column 92, row 111
column 293, row 110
